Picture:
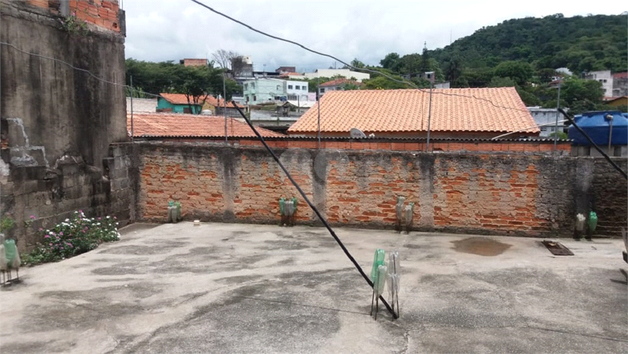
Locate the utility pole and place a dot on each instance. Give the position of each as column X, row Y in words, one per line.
column 318, row 107
column 557, row 113
column 132, row 93
column 429, row 119
column 224, row 104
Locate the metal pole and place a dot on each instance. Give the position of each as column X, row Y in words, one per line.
column 429, row 119
column 318, row 107
column 610, row 134
column 556, row 125
column 132, row 93
column 224, row 104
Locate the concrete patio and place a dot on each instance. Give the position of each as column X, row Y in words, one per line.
column 234, row 288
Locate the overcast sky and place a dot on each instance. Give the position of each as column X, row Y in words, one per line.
column 160, row 30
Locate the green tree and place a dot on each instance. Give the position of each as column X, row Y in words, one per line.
column 197, row 83
column 357, row 64
column 391, row 62
column 383, row 83
column 519, row 71
column 498, row 81
column 582, row 95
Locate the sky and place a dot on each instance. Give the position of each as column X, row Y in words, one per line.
column 159, row 30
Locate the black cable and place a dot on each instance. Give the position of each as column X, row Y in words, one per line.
column 301, row 45
column 409, row 83
column 320, row 217
column 623, row 173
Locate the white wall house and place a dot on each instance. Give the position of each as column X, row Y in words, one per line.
column 338, row 72
column 603, row 77
column 545, row 118
column 260, row 90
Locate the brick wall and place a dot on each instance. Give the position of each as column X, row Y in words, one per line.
column 511, row 146
column 461, row 192
column 102, row 13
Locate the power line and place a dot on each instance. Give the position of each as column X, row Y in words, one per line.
column 302, row 46
column 409, row 83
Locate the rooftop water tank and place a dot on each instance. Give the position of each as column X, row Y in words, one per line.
column 598, row 126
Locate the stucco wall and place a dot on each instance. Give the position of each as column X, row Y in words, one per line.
column 58, row 120
column 60, row 108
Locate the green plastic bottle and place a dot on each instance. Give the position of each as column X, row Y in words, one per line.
column 592, row 221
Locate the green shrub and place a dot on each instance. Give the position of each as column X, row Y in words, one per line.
column 73, row 237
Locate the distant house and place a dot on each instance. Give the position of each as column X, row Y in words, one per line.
column 605, row 78
column 545, row 118
column 346, row 73
column 141, row 104
column 455, row 113
column 178, row 103
column 262, row 90
column 620, row 84
column 193, row 62
column 335, row 85
column 168, row 125
column 286, row 69
column 616, row 101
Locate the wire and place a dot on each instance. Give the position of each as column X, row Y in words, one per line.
column 409, row 83
column 623, row 173
column 318, row 214
column 302, row 46
column 63, row 62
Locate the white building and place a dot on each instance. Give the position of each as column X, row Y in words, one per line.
column 346, row 73
column 545, row 118
column 603, row 77
column 260, row 90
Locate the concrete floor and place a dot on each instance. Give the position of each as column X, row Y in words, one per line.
column 233, row 288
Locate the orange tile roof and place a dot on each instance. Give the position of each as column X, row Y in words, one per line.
column 190, row 125
column 340, row 81
column 453, row 110
column 179, row 98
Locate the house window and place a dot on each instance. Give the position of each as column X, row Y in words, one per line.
column 322, row 90
column 297, row 87
column 278, row 87
column 187, row 110
column 252, row 86
column 304, row 88
column 246, row 87
column 292, row 97
column 289, row 87
column 254, row 98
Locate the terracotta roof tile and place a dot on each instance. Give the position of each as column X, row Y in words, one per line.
column 179, row 98
column 623, row 75
column 461, row 110
column 190, row 125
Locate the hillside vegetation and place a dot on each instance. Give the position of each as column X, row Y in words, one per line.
column 524, row 53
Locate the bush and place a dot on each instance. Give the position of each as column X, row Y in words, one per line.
column 73, row 237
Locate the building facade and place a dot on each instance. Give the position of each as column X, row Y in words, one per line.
column 261, row 90
column 545, row 118
column 346, row 73
column 605, row 78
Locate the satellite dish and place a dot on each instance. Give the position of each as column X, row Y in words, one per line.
column 357, row 133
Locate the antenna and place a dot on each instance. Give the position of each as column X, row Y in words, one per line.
column 357, row 133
